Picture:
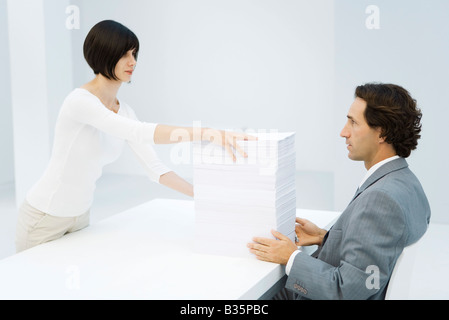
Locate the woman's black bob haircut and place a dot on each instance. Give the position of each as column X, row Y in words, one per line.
column 107, row 42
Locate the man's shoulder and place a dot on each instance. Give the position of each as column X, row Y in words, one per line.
column 401, row 181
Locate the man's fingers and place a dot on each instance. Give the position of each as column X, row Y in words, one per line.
column 270, row 242
column 301, row 221
column 260, row 251
column 278, row 235
column 263, row 241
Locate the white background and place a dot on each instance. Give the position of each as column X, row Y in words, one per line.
column 289, row 65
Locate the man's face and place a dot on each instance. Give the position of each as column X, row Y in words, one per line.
column 362, row 140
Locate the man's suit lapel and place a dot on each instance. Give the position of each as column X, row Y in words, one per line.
column 387, row 168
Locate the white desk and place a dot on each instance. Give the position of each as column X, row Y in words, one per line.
column 142, row 253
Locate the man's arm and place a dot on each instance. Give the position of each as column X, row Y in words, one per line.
column 372, row 238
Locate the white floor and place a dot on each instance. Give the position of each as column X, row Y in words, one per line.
column 116, row 193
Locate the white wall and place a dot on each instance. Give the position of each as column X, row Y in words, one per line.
column 411, row 48
column 58, row 55
column 233, row 64
column 6, row 137
column 264, row 64
column 40, row 62
column 28, row 92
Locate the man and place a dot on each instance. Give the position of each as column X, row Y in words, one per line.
column 388, row 212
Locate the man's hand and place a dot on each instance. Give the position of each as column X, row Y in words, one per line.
column 272, row 250
column 308, row 233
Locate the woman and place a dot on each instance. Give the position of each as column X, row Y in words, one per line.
column 90, row 132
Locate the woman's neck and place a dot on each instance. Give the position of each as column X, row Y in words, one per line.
column 106, row 90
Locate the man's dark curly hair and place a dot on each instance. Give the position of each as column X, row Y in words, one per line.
column 391, row 108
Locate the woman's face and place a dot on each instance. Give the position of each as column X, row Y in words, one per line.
column 125, row 66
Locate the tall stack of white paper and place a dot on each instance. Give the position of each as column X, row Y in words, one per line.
column 236, row 201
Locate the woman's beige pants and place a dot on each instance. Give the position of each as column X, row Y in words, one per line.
column 35, row 227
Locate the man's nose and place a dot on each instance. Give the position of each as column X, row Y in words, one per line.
column 344, row 132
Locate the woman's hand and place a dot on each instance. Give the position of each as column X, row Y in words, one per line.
column 228, row 140
column 308, row 233
column 164, row 134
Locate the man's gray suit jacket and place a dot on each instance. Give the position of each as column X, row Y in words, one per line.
column 389, row 212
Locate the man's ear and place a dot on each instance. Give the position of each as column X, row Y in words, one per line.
column 381, row 136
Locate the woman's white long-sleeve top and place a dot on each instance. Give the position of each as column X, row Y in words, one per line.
column 87, row 137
